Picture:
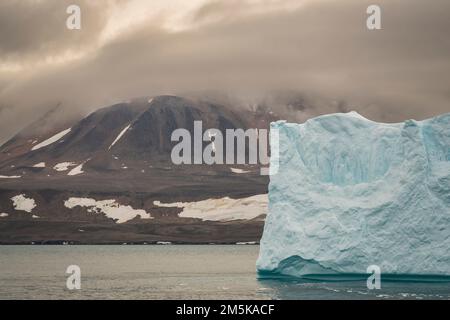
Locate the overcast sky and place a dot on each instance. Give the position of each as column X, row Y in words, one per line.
column 245, row 48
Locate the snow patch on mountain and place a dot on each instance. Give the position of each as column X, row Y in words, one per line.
column 109, row 208
column 239, row 171
column 22, row 203
column 39, row 165
column 64, row 166
column 223, row 209
column 78, row 169
column 119, row 136
column 51, row 140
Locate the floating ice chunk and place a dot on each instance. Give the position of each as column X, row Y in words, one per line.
column 39, row 165
column 3, row 215
column 224, row 209
column 22, row 203
column 164, row 242
column 51, row 140
column 246, row 243
column 109, row 208
column 64, row 166
column 10, row 177
column 35, row 216
column 119, row 136
column 351, row 193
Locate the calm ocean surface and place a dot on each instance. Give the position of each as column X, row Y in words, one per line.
column 172, row 272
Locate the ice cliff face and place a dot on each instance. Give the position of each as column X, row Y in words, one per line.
column 351, row 193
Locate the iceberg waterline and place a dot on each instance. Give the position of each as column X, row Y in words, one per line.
column 351, row 193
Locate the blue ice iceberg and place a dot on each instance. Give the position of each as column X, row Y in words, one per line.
column 351, row 193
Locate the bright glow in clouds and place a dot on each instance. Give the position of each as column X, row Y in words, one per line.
column 172, row 14
column 178, row 15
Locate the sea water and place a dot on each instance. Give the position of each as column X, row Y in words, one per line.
column 173, row 272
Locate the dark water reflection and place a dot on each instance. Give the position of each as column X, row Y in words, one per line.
column 343, row 290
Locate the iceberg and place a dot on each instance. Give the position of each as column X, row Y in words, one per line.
column 350, row 193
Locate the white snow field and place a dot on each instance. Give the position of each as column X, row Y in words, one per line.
column 39, row 165
column 224, row 209
column 63, row 166
column 109, row 208
column 351, row 193
column 239, row 171
column 76, row 171
column 51, row 140
column 22, row 203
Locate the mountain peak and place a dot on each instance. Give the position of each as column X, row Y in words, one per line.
column 136, row 130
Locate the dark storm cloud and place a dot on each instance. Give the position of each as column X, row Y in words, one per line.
column 33, row 29
column 321, row 49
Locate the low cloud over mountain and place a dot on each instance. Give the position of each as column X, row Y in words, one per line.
column 245, row 49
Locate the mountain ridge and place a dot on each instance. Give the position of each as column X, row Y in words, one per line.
column 115, row 163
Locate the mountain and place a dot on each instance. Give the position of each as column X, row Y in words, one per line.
column 109, row 178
